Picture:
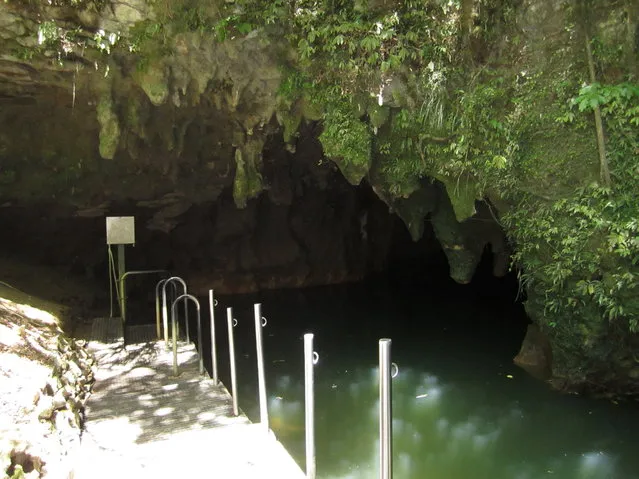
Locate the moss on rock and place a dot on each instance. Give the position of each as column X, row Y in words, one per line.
column 290, row 121
column 462, row 259
column 347, row 141
column 378, row 115
column 109, row 127
column 311, row 110
column 248, row 179
column 137, row 115
column 462, row 193
column 154, row 81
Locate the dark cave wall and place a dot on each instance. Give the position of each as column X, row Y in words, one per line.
column 309, row 227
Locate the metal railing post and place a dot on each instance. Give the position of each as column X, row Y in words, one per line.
column 121, row 276
column 231, row 324
column 310, row 359
column 385, row 411
column 122, row 281
column 212, row 304
column 260, row 322
column 174, row 327
column 122, row 300
column 165, row 314
column 158, row 321
column 199, row 333
column 174, row 338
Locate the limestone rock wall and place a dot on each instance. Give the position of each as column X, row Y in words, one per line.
column 173, row 122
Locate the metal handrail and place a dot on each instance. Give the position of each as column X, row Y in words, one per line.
column 158, row 310
column 212, row 304
column 123, row 285
column 165, row 314
column 260, row 322
column 158, row 328
column 386, row 375
column 231, row 323
column 310, row 359
column 174, row 328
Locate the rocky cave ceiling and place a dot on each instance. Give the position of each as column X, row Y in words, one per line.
column 196, row 145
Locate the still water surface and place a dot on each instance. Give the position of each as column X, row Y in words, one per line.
column 461, row 409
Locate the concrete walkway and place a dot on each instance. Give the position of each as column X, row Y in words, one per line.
column 142, row 422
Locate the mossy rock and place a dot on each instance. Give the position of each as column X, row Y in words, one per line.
column 462, row 193
column 354, row 173
column 290, row 121
column 137, row 114
column 347, row 141
column 248, row 180
column 109, row 127
column 378, row 115
column 414, row 209
column 154, row 81
column 311, row 110
column 555, row 161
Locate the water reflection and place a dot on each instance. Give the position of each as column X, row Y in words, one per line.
column 460, row 408
column 439, row 431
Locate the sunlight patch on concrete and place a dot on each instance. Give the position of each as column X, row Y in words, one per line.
column 152, row 417
column 142, row 372
column 163, row 411
column 206, row 416
column 116, row 431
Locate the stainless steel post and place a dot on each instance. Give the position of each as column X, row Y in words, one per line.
column 186, row 319
column 173, row 294
column 230, row 322
column 261, row 380
column 212, row 304
column 174, row 337
column 121, row 271
column 309, row 385
column 186, row 297
column 199, row 333
column 158, row 321
column 385, row 411
column 165, row 315
column 122, row 285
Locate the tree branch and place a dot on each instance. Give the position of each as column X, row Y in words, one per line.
column 604, row 170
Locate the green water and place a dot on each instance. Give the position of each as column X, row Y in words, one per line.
column 461, row 409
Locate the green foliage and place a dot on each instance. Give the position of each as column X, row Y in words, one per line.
column 83, row 4
column 347, row 140
column 62, row 38
column 398, row 154
column 347, row 52
column 145, row 33
column 579, row 253
column 408, row 92
column 611, row 98
column 582, row 250
column 484, row 145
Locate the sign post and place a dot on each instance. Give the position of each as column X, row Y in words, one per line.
column 120, row 231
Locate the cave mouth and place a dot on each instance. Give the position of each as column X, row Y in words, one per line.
column 399, row 278
column 321, row 241
column 308, row 228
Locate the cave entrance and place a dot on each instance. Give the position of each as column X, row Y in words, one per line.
column 308, row 228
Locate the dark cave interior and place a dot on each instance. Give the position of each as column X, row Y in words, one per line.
column 319, row 240
column 309, row 228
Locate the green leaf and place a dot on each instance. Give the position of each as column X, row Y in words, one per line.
column 244, row 28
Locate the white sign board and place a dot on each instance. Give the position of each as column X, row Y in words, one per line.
column 120, row 230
